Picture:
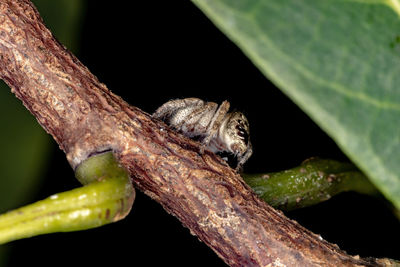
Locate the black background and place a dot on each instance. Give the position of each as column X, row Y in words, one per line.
column 153, row 51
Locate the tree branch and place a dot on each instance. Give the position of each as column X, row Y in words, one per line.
column 208, row 197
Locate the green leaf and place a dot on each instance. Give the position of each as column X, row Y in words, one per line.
column 24, row 144
column 339, row 60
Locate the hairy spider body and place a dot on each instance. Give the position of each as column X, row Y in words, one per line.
column 217, row 129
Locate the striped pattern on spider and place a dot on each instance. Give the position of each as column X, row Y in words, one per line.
column 217, row 129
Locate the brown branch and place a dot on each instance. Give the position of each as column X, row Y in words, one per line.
column 206, row 195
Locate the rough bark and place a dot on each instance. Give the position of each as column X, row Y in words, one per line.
column 207, row 196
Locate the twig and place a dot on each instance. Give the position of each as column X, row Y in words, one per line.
column 314, row 181
column 107, row 197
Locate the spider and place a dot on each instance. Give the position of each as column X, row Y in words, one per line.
column 217, row 129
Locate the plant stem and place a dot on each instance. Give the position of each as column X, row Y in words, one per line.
column 314, row 181
column 107, row 196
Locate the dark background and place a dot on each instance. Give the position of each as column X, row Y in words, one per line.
column 153, row 51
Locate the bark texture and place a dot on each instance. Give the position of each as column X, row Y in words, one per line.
column 207, row 196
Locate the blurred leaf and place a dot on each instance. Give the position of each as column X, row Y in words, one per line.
column 63, row 18
column 339, row 61
column 24, row 146
column 24, row 143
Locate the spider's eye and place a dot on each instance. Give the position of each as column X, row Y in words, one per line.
column 242, row 133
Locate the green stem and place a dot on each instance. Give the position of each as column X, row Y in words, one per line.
column 107, row 196
column 314, row 181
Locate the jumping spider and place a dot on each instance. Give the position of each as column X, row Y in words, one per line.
column 217, row 129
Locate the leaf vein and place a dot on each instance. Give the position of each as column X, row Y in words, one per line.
column 361, row 96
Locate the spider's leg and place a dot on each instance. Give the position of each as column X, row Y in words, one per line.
column 172, row 106
column 243, row 158
column 215, row 124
